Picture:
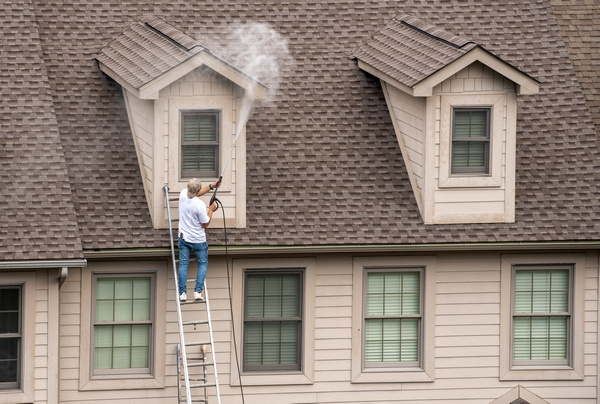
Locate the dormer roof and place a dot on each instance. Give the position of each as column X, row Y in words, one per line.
column 151, row 54
column 415, row 56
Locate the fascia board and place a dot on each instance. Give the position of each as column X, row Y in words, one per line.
column 526, row 84
column 384, row 77
column 111, row 73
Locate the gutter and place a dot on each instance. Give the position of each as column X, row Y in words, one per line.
column 352, row 248
column 80, row 263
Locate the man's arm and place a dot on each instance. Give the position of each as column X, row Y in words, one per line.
column 211, row 210
column 209, row 187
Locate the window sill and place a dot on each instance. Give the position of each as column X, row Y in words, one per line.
column 551, row 373
column 272, row 379
column 470, row 181
column 15, row 396
column 120, row 383
column 393, row 375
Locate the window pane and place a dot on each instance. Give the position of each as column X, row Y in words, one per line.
column 469, row 154
column 141, row 288
column 271, row 297
column 470, row 124
column 125, row 345
column 123, row 310
column 393, row 293
column 9, row 310
column 540, row 338
column 391, row 340
column 9, row 357
column 542, row 291
column 199, row 127
column 198, row 158
column 9, row 298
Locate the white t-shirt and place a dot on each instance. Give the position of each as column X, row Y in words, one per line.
column 192, row 213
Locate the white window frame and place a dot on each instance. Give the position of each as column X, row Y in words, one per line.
column 274, row 377
column 424, row 372
column 175, row 106
column 538, row 370
column 25, row 393
column 218, row 114
column 127, row 372
column 123, row 380
column 498, row 131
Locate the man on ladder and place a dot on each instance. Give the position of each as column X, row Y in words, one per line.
column 193, row 219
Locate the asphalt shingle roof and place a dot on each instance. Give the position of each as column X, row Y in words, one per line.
column 410, row 50
column 148, row 49
column 38, row 218
column 323, row 162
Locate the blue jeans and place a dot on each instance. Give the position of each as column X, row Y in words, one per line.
column 201, row 251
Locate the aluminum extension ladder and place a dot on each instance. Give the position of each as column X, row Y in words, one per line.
column 193, row 378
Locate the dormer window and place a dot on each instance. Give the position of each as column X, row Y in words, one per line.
column 184, row 107
column 471, row 141
column 453, row 105
column 200, row 138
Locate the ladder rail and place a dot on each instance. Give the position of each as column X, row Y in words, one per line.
column 212, row 343
column 179, row 317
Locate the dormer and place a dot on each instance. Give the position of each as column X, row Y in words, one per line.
column 184, row 107
column 454, row 109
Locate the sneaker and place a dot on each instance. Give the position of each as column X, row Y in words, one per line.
column 198, row 295
column 182, row 297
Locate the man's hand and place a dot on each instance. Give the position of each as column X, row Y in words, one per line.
column 216, row 184
column 212, row 207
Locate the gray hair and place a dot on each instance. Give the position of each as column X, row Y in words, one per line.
column 193, row 187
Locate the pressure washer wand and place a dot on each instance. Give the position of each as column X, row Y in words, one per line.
column 214, row 197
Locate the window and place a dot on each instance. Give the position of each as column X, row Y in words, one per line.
column 541, row 316
column 393, row 329
column 392, row 318
column 10, row 337
column 470, row 141
column 200, row 144
column 272, row 320
column 122, row 326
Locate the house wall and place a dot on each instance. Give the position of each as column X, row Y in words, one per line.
column 408, row 117
column 467, row 296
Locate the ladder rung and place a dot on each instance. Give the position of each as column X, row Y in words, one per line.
column 197, row 343
column 199, row 364
column 173, row 199
column 195, row 322
column 193, row 400
column 192, row 301
column 174, row 220
column 195, row 386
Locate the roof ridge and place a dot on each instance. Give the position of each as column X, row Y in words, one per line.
column 435, row 33
column 172, row 34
